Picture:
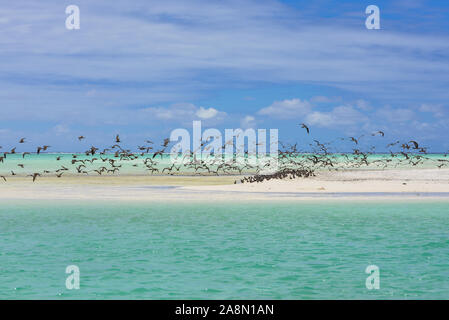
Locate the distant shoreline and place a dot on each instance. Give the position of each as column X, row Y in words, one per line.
column 396, row 184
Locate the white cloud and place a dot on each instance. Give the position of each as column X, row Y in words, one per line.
column 437, row 110
column 184, row 112
column 91, row 93
column 248, row 122
column 206, row 113
column 171, row 41
column 396, row 115
column 61, row 128
column 170, row 51
column 287, row 109
column 339, row 116
column 322, row 119
column 363, row 105
column 323, row 99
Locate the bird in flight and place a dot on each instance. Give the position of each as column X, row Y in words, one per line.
column 379, row 132
column 160, row 152
column 34, row 175
column 392, row 144
column 416, row 145
column 81, row 138
column 166, row 142
column 305, row 127
column 22, row 140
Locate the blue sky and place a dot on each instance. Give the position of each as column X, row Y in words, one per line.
column 146, row 68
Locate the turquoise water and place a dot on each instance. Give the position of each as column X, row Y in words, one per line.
column 224, row 251
column 47, row 161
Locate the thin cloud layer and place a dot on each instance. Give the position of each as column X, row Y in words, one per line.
column 287, row 109
column 134, row 64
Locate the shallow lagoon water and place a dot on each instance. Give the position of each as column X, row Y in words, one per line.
column 270, row 250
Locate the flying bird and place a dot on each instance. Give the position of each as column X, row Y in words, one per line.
column 166, row 142
column 305, row 127
column 34, row 175
column 416, row 145
column 379, row 132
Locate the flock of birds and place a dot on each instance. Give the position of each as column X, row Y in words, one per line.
column 291, row 161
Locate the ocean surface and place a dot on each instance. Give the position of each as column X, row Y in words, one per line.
column 48, row 161
column 270, row 250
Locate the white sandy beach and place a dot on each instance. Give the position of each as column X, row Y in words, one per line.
column 356, row 181
column 357, row 184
